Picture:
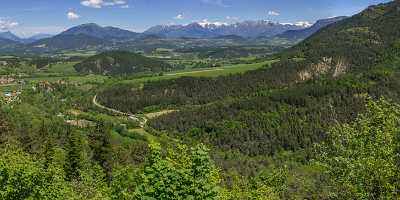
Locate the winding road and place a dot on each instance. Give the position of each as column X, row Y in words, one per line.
column 142, row 120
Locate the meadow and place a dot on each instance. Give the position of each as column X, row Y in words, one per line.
column 206, row 72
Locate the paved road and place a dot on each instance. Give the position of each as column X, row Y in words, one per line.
column 142, row 121
column 193, row 72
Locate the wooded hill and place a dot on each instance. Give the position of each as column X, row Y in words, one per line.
column 321, row 81
column 120, row 63
column 312, row 126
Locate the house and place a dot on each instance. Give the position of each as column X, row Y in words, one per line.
column 5, row 81
column 11, row 96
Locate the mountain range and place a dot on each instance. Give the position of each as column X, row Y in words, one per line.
column 106, row 33
column 246, row 29
column 307, row 32
column 94, row 36
column 11, row 36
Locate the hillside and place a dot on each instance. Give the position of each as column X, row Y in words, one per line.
column 121, row 62
column 68, row 42
column 85, row 36
column 357, row 43
column 260, row 112
column 307, row 32
column 106, row 33
column 6, row 42
column 10, row 36
column 229, row 120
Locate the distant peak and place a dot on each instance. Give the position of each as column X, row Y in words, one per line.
column 89, row 25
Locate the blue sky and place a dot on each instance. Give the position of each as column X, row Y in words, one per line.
column 27, row 17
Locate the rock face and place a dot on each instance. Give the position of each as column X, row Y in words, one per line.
column 328, row 66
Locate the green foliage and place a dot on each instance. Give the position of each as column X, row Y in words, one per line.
column 21, row 177
column 73, row 164
column 242, row 189
column 125, row 181
column 100, row 142
column 361, row 41
column 180, row 175
column 121, row 63
column 362, row 157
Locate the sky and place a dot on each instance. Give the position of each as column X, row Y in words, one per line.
column 29, row 17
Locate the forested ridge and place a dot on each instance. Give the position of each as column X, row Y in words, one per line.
column 286, row 107
column 260, row 112
column 121, row 63
column 362, row 41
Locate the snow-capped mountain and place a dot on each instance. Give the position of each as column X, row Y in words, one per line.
column 305, row 33
column 204, row 29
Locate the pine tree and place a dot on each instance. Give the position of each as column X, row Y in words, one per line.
column 100, row 143
column 74, row 155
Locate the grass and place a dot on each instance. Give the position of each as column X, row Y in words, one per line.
column 63, row 68
column 80, row 53
column 140, row 131
column 207, row 72
column 8, row 88
column 72, row 79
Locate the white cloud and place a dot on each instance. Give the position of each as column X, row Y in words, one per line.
column 103, row 3
column 299, row 23
column 303, row 23
column 72, row 15
column 7, row 24
column 180, row 17
column 273, row 13
column 232, row 18
column 205, row 22
column 93, row 3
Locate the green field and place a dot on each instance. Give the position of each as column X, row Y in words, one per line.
column 72, row 79
column 63, row 68
column 206, row 72
column 8, row 88
column 66, row 72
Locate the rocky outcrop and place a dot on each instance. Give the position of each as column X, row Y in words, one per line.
column 327, row 66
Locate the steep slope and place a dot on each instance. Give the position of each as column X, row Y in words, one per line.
column 357, row 43
column 307, row 32
column 121, row 62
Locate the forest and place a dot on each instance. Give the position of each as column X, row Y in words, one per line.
column 320, row 120
column 121, row 62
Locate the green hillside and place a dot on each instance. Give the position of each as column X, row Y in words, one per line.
column 121, row 62
column 360, row 42
column 320, row 120
column 288, row 107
